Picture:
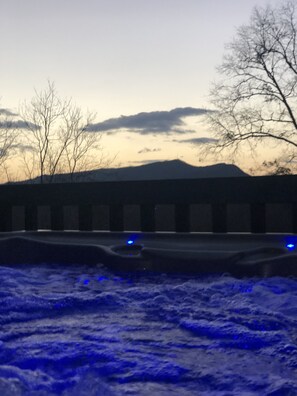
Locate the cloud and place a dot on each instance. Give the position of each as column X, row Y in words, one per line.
column 25, row 147
column 150, row 123
column 147, row 150
column 19, row 124
column 7, row 113
column 197, row 141
column 144, row 162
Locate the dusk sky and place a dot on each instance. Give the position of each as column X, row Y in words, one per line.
column 122, row 58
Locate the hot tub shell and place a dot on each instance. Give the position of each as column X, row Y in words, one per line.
column 237, row 254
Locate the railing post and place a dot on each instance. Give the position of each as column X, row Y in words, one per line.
column 258, row 218
column 116, row 218
column 5, row 218
column 219, row 218
column 85, row 217
column 147, row 218
column 31, row 217
column 294, row 217
column 182, row 218
column 57, row 218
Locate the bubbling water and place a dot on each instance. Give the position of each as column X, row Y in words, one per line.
column 83, row 330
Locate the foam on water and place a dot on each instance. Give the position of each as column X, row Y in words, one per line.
column 86, row 331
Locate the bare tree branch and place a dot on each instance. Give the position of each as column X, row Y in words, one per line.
column 8, row 138
column 57, row 134
column 257, row 98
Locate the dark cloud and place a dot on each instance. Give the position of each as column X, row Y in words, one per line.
column 9, row 120
column 25, row 147
column 197, row 141
column 19, row 124
column 153, row 122
column 147, row 150
column 144, row 162
column 7, row 113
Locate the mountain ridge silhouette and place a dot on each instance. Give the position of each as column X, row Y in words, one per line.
column 159, row 170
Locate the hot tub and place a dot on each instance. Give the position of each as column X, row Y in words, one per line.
column 147, row 314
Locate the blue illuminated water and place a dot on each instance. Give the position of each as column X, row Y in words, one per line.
column 85, row 331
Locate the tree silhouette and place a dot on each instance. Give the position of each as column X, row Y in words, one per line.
column 256, row 99
column 57, row 139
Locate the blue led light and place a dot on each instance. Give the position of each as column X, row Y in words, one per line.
column 290, row 246
column 130, row 242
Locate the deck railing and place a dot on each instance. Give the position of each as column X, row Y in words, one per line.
column 255, row 204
